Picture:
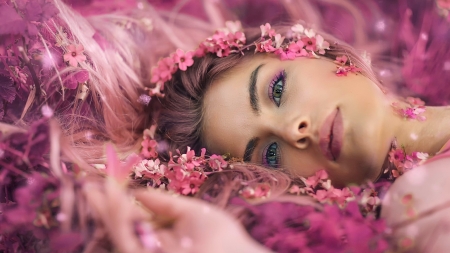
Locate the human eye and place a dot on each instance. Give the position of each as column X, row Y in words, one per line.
column 271, row 155
column 276, row 87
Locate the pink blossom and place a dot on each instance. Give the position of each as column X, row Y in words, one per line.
column 444, row 4
column 285, row 53
column 415, row 101
column 310, row 43
column 310, row 33
column 318, row 177
column 189, row 185
column 74, row 55
column 266, row 30
column 341, row 60
column 298, row 29
column 259, row 191
column 217, row 163
column 164, row 70
column 265, row 46
column 149, row 148
column 321, row 44
column 278, row 39
column 183, row 59
column 151, row 169
column 236, row 39
column 295, row 189
column 341, row 71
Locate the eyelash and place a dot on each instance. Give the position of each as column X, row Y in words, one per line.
column 276, row 88
column 271, row 152
column 271, row 155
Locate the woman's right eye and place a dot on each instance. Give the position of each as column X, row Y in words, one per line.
column 276, row 87
column 271, row 155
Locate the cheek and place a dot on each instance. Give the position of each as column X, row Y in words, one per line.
column 303, row 164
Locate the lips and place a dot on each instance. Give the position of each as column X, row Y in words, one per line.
column 331, row 135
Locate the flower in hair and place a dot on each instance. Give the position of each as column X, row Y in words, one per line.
column 266, row 30
column 183, row 59
column 261, row 190
column 74, row 55
column 414, row 109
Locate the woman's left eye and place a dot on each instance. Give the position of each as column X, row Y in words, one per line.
column 271, row 155
column 276, row 87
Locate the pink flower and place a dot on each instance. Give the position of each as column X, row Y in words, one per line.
column 150, row 169
column 217, row 163
column 164, row 70
column 236, row 39
column 149, row 148
column 259, row 191
column 190, row 185
column 444, row 4
column 265, row 46
column 286, row 53
column 341, row 60
column 318, row 177
column 278, row 39
column 310, row 43
column 183, row 59
column 74, row 55
column 321, row 44
column 415, row 101
column 298, row 29
column 295, row 189
column 397, row 156
column 341, row 71
column 266, row 30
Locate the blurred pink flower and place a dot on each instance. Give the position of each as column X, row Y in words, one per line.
column 74, row 55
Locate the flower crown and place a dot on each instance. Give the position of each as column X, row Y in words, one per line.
column 297, row 42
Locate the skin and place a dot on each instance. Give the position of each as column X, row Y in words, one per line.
column 311, row 93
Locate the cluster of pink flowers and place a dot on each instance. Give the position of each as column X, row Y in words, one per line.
column 183, row 174
column 302, row 42
column 319, row 187
column 222, row 43
column 298, row 42
column 414, row 110
column 403, row 162
column 345, row 66
column 227, row 40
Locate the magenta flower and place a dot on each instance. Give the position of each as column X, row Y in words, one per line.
column 183, row 59
column 74, row 55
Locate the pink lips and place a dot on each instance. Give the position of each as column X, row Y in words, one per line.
column 331, row 135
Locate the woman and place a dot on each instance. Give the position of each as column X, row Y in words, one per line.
column 104, row 108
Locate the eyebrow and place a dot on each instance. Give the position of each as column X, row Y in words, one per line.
column 250, row 148
column 252, row 90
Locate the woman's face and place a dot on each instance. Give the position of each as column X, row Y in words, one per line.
column 300, row 116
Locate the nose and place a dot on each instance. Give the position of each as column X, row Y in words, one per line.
column 297, row 133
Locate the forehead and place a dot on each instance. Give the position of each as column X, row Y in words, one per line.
column 228, row 116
